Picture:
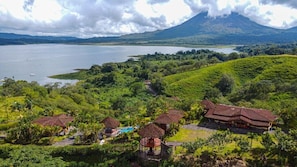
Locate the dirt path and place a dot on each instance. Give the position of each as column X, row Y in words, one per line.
column 148, row 86
column 173, row 143
column 64, row 142
column 197, row 127
column 67, row 141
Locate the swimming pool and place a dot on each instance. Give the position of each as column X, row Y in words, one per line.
column 126, row 129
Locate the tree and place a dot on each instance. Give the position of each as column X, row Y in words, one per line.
column 267, row 141
column 109, row 67
column 136, row 88
column 212, row 93
column 25, row 132
column 260, row 89
column 251, row 136
column 196, row 111
column 193, row 146
column 32, row 156
column 90, row 133
column 226, row 84
column 219, row 138
column 243, row 144
column 233, row 56
column 285, row 146
column 28, row 103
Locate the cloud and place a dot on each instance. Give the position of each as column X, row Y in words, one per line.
column 88, row 18
column 28, row 5
column 291, row 3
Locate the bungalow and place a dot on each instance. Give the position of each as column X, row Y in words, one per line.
column 61, row 120
column 239, row 116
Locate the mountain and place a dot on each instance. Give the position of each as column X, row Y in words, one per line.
column 202, row 24
column 199, row 30
column 229, row 29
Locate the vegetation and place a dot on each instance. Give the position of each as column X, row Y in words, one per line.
column 136, row 92
column 223, row 144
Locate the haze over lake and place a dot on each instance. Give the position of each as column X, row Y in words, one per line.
column 37, row 62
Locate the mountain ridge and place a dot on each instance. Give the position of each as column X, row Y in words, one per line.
column 218, row 30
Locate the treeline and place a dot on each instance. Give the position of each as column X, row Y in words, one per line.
column 268, row 49
column 194, row 54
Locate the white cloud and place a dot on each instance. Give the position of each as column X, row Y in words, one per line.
column 87, row 18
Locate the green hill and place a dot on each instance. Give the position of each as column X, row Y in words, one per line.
column 195, row 84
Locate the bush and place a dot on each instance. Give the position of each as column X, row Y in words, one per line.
column 46, row 141
column 7, row 126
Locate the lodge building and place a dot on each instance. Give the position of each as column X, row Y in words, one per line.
column 239, row 116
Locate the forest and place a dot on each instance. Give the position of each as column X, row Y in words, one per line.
column 260, row 76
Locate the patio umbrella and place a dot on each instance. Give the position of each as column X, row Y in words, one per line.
column 151, row 131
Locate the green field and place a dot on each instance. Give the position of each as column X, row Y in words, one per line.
column 194, row 84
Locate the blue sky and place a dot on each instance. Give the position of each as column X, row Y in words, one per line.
column 90, row 18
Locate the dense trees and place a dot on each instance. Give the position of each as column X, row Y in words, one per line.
column 32, row 156
column 226, row 84
column 269, row 49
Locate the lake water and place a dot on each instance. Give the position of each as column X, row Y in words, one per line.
column 37, row 62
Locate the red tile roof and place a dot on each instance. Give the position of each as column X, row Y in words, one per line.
column 227, row 113
column 58, row 120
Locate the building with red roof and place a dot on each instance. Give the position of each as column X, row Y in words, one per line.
column 61, row 120
column 239, row 116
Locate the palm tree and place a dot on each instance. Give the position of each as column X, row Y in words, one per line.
column 243, row 144
column 251, row 136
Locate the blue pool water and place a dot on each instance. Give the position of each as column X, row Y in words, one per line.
column 126, row 129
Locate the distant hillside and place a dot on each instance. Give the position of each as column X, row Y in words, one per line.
column 195, row 84
column 11, row 38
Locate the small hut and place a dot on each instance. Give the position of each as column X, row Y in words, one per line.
column 151, row 135
column 110, row 126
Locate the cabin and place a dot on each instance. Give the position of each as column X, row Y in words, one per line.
column 61, row 121
column 239, row 116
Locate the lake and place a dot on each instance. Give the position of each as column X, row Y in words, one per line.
column 38, row 61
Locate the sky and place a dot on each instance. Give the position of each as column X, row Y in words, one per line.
column 96, row 18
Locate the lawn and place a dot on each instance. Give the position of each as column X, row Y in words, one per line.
column 189, row 135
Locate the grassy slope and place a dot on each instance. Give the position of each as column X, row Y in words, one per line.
column 193, row 84
column 5, row 109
